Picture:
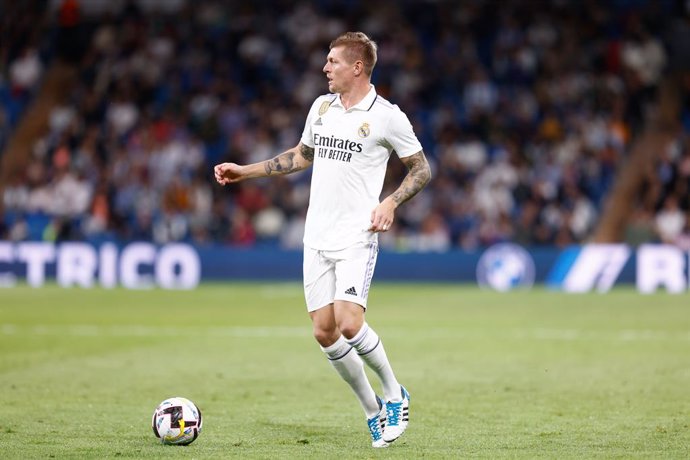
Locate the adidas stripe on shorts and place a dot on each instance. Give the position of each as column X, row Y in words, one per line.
column 338, row 275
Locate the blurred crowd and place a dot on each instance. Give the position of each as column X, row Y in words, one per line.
column 22, row 58
column 526, row 111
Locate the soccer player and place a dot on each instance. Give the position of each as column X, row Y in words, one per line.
column 348, row 137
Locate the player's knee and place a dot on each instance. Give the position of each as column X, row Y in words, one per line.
column 349, row 329
column 349, row 318
column 325, row 336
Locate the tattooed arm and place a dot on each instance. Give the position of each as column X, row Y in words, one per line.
column 295, row 159
column 418, row 175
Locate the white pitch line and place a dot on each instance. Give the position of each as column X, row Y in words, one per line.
column 539, row 334
column 92, row 330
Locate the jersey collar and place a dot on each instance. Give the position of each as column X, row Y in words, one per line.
column 364, row 105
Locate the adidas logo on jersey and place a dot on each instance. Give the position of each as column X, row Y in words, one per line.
column 351, row 291
column 318, row 122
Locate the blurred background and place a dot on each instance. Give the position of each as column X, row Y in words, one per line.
column 547, row 123
column 558, row 132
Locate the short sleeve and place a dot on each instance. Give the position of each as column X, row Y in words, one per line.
column 401, row 136
column 307, row 134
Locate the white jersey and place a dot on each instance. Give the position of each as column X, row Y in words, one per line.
column 351, row 151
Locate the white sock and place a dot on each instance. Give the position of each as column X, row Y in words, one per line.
column 370, row 348
column 351, row 369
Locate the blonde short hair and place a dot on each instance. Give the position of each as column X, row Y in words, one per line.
column 358, row 47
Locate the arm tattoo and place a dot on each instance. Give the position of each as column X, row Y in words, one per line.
column 282, row 164
column 418, row 175
column 287, row 162
column 307, row 153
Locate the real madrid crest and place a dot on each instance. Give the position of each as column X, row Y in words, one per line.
column 364, row 130
column 324, row 107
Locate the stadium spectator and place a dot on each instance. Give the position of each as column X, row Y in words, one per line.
column 25, row 71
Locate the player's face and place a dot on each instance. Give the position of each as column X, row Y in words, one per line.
column 338, row 70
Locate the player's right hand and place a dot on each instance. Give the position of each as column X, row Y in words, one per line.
column 227, row 173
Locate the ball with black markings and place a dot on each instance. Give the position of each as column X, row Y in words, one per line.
column 177, row 421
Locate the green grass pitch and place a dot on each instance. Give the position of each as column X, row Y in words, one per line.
column 533, row 374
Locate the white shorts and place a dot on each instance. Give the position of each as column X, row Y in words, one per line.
column 339, row 275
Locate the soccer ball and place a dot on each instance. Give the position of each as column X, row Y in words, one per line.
column 176, row 421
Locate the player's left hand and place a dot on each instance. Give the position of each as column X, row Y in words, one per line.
column 382, row 216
